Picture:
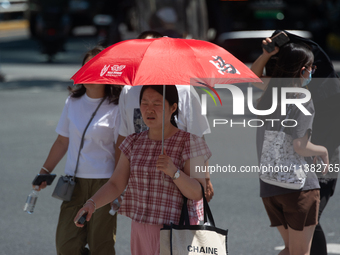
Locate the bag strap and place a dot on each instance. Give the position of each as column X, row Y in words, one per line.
column 208, row 217
column 184, row 219
column 289, row 109
column 82, row 138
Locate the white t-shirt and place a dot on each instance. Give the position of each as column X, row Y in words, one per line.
column 97, row 157
column 189, row 118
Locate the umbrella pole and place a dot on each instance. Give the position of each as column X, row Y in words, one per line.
column 163, row 120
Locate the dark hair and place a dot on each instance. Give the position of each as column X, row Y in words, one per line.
column 290, row 60
column 153, row 34
column 171, row 95
column 112, row 92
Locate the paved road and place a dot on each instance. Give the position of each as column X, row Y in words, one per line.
column 31, row 101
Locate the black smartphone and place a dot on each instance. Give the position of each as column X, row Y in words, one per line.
column 277, row 40
column 82, row 218
column 48, row 178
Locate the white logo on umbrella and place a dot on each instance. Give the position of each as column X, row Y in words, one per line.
column 115, row 70
column 104, row 70
column 222, row 66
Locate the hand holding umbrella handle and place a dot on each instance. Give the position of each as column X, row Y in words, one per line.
column 165, row 164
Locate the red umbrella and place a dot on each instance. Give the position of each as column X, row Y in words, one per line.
column 164, row 61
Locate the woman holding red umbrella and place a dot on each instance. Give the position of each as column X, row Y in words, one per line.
column 155, row 183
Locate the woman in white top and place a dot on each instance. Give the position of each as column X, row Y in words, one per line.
column 96, row 164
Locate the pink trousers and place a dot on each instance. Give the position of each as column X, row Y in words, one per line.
column 145, row 239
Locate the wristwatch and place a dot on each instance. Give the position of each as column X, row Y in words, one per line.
column 177, row 174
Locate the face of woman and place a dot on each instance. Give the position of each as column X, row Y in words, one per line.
column 151, row 107
column 93, row 86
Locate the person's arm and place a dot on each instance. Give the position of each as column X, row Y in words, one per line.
column 117, row 150
column 199, row 126
column 305, row 148
column 117, row 156
column 191, row 120
column 109, row 191
column 57, row 152
column 209, row 192
column 260, row 63
column 189, row 187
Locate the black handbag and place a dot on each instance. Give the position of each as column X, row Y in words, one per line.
column 65, row 185
column 193, row 239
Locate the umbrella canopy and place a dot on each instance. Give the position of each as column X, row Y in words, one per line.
column 164, row 61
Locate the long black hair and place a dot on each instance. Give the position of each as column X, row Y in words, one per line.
column 290, row 60
column 171, row 95
column 111, row 92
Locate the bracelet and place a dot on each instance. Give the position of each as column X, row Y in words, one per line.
column 91, row 202
column 45, row 169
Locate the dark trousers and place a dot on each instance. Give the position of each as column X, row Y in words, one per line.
column 319, row 244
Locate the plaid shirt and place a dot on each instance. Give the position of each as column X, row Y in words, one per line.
column 151, row 196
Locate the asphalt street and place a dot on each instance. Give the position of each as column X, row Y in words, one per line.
column 31, row 101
